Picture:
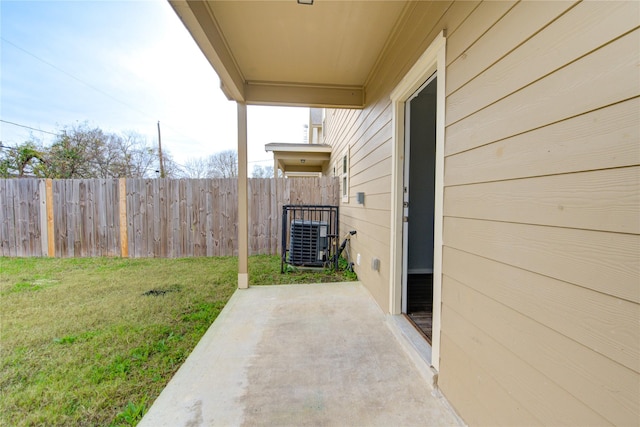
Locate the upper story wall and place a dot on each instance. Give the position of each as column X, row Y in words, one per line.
column 540, row 302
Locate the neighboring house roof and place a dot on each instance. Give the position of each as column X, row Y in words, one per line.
column 283, row 53
column 300, row 157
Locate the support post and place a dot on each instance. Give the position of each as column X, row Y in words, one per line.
column 243, row 208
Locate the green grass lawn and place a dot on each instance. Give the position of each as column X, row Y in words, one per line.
column 93, row 341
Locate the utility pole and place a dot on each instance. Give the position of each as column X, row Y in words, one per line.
column 160, row 152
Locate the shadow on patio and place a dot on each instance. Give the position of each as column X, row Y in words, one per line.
column 301, row 355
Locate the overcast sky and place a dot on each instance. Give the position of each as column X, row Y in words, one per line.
column 120, row 66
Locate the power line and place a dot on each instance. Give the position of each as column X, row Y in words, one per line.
column 87, row 84
column 71, row 75
column 28, row 127
column 260, row 161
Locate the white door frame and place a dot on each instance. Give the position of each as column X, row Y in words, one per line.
column 433, row 60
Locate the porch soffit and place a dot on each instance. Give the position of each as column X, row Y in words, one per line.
column 283, row 53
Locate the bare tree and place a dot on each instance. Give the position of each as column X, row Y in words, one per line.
column 103, row 155
column 220, row 165
column 171, row 168
column 223, row 164
column 262, row 172
column 137, row 158
column 196, row 168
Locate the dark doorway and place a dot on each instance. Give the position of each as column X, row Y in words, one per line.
column 419, row 200
column 420, row 302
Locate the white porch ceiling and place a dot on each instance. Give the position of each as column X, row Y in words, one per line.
column 278, row 52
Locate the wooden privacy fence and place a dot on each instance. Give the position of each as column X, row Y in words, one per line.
column 162, row 217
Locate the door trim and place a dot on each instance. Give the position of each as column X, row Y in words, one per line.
column 433, row 60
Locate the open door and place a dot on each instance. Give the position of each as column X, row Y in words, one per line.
column 418, row 206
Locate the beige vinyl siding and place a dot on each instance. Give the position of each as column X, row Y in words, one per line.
column 551, row 49
column 604, row 200
column 366, row 135
column 547, row 400
column 591, row 259
column 604, row 138
column 519, row 21
column 541, row 240
column 569, row 91
column 482, row 400
column 542, row 205
column 523, row 332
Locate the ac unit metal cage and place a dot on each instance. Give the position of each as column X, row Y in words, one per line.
column 309, row 235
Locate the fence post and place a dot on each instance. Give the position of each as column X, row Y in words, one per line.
column 51, row 244
column 122, row 202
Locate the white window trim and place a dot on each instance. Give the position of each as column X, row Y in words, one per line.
column 433, row 60
column 344, row 163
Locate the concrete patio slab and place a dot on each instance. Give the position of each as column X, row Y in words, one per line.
column 303, row 355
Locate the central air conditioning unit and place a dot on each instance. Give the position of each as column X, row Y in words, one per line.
column 308, row 243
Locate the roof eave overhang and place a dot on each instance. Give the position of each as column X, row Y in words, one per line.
column 200, row 22
column 303, row 95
